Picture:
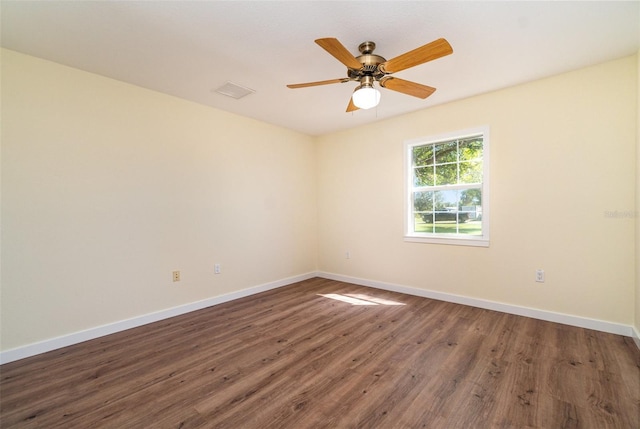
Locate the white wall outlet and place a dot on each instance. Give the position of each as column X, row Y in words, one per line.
column 216, row 269
column 176, row 276
column 540, row 276
column 347, row 254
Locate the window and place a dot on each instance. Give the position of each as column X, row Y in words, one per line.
column 448, row 188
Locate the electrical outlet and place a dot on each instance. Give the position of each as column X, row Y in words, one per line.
column 540, row 276
column 176, row 276
column 216, row 269
column 347, row 254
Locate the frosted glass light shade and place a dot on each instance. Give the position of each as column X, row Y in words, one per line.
column 366, row 97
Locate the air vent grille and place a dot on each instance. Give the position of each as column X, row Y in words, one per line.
column 234, row 90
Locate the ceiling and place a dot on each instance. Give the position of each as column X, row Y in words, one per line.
column 188, row 49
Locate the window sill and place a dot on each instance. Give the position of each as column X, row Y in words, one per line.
column 458, row 241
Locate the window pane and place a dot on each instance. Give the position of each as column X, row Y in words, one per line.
column 445, row 200
column 470, row 197
column 422, row 201
column 427, row 217
column 445, row 228
column 471, row 172
column 423, row 155
column 470, row 214
column 470, row 149
column 423, row 222
column 469, row 227
column 446, row 152
column 446, row 214
column 470, row 220
column 423, row 176
column 447, row 174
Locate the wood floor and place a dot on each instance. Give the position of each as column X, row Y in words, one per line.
column 301, row 357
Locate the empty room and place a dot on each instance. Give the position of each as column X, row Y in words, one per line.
column 320, row 214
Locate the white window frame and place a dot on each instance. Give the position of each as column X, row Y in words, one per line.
column 456, row 239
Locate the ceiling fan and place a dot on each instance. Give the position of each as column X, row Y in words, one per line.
column 369, row 68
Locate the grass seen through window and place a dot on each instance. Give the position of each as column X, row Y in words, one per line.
column 448, row 227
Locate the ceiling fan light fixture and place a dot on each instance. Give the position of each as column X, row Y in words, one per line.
column 366, row 96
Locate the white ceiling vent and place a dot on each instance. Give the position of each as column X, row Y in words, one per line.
column 234, row 90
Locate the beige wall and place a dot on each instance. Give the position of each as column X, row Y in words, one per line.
column 637, row 319
column 562, row 157
column 107, row 188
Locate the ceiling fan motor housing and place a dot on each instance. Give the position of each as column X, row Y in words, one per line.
column 369, row 61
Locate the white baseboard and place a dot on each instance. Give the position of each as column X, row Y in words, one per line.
column 111, row 328
column 100, row 331
column 566, row 319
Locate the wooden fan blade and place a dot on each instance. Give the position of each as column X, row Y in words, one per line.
column 339, row 52
column 406, row 87
column 321, row 82
column 351, row 107
column 430, row 51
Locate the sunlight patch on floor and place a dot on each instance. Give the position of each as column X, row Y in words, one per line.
column 359, row 299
